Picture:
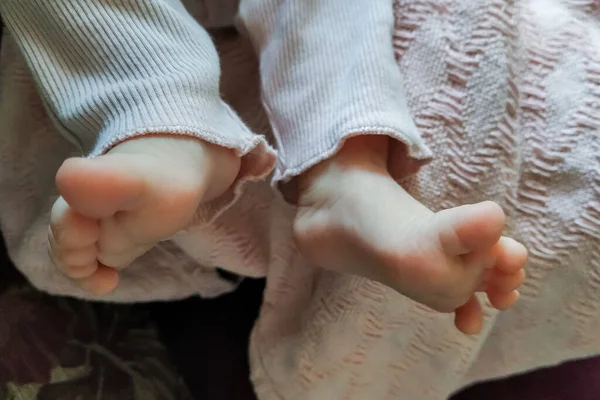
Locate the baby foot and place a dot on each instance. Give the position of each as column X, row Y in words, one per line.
column 117, row 206
column 355, row 218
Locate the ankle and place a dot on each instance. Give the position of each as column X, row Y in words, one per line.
column 358, row 154
column 224, row 166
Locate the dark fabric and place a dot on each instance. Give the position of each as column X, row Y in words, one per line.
column 63, row 349
column 579, row 380
column 209, row 341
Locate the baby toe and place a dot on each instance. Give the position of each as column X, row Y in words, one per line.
column 78, row 264
column 470, row 228
column 70, row 229
column 78, row 272
column 511, row 255
column 103, row 281
column 469, row 318
column 78, row 257
column 122, row 258
column 505, row 283
column 502, row 300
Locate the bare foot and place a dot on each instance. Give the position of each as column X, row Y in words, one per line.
column 355, row 218
column 116, row 207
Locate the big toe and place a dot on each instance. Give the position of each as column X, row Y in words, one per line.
column 100, row 187
column 470, row 228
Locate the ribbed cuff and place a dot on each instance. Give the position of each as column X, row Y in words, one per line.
column 328, row 73
column 408, row 146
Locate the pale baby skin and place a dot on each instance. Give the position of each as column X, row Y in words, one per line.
column 353, row 217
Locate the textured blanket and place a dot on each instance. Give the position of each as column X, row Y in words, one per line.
column 507, row 96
